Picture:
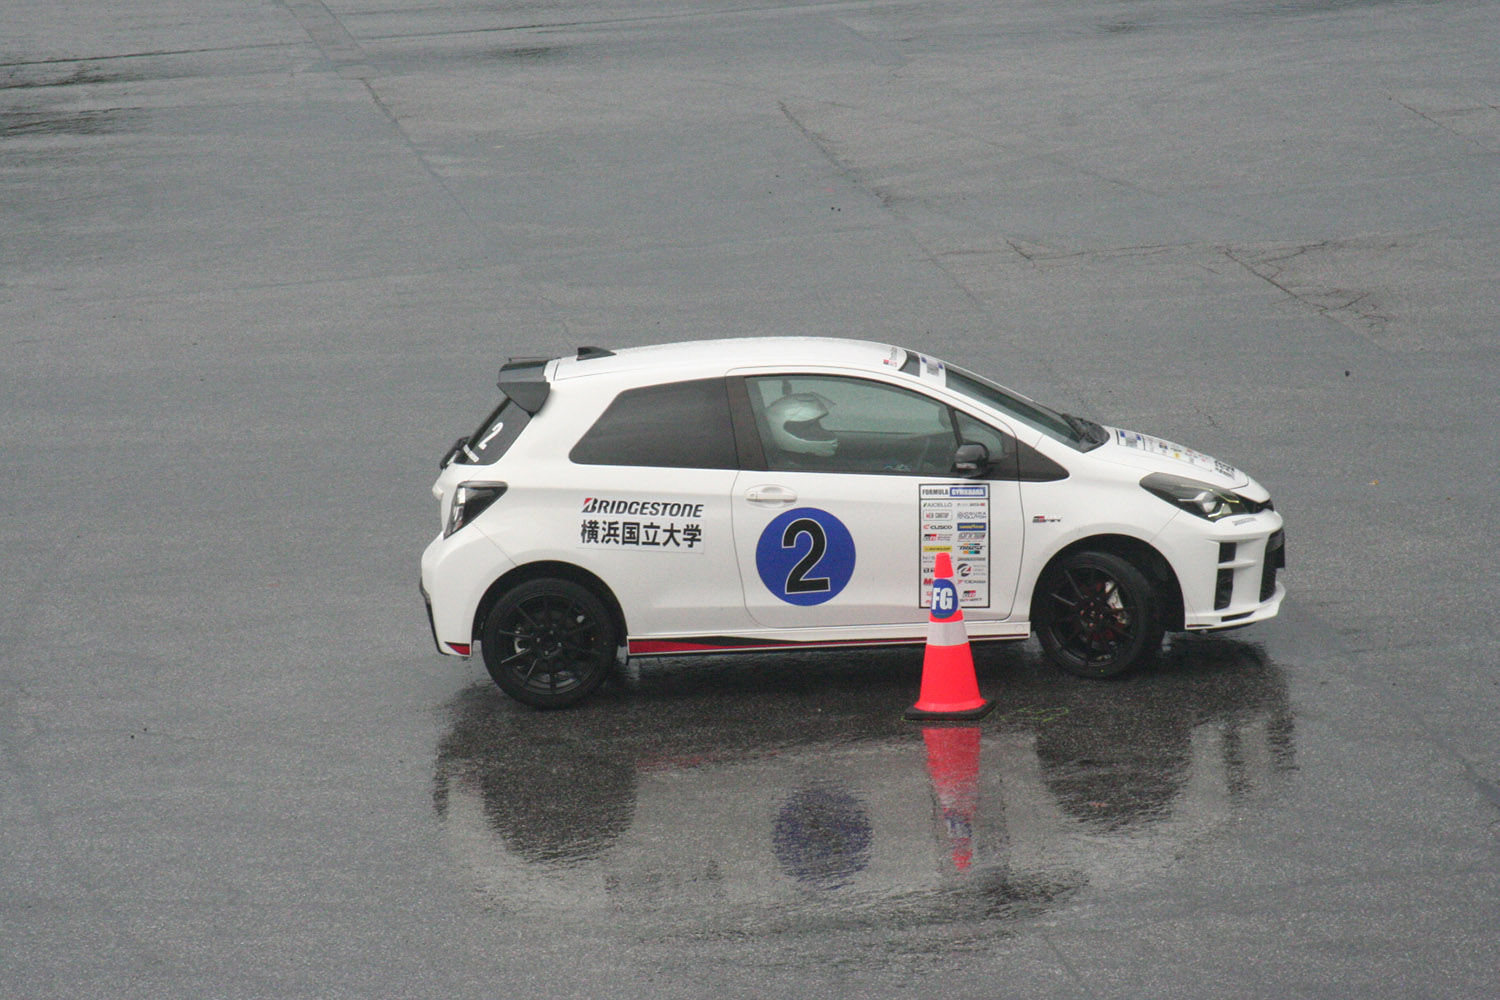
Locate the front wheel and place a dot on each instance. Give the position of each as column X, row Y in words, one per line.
column 1097, row 616
column 549, row 642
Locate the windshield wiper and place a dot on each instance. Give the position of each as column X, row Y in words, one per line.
column 1087, row 430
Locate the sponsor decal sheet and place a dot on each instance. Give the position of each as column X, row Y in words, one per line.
column 955, row 518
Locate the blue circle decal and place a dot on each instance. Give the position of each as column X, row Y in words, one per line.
column 944, row 599
column 805, row 556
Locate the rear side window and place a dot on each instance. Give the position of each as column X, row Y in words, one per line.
column 495, row 435
column 680, row 425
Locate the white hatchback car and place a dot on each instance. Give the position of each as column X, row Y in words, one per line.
column 764, row 494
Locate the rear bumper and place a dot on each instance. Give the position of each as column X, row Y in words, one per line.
column 431, row 625
column 456, row 572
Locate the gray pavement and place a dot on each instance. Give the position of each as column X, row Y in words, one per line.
column 259, row 261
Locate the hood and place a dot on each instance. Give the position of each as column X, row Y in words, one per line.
column 1153, row 454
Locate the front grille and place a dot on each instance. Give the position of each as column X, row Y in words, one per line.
column 1275, row 560
column 1223, row 589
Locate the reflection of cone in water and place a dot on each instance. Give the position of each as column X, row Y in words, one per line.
column 953, row 764
column 949, row 689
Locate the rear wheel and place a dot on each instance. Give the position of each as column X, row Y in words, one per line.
column 549, row 642
column 1097, row 615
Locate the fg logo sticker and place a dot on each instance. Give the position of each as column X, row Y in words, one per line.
column 944, row 600
column 805, row 556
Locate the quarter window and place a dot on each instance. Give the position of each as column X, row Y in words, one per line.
column 1009, row 458
column 1001, row 446
column 679, row 425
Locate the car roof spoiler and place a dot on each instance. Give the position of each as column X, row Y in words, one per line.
column 524, row 380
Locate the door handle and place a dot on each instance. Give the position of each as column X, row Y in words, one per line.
column 771, row 496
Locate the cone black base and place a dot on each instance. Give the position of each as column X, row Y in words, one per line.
column 922, row 715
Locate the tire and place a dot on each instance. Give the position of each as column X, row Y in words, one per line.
column 1097, row 615
column 548, row 642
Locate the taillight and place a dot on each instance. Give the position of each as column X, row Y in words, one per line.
column 469, row 501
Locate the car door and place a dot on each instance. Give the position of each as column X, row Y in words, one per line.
column 857, row 497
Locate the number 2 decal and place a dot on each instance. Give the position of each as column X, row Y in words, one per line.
column 805, row 556
column 797, row 581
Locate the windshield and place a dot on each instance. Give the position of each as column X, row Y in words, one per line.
column 1075, row 432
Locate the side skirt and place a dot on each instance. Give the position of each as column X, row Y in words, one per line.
column 683, row 645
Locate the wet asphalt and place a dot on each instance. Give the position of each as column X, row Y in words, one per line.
column 259, row 262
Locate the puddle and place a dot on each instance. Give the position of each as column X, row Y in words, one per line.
column 770, row 796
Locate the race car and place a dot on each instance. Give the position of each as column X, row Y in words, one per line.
column 765, row 494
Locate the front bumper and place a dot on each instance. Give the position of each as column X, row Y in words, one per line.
column 1227, row 572
column 1245, row 585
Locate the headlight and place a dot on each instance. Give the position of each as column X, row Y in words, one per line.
column 469, row 501
column 1209, row 502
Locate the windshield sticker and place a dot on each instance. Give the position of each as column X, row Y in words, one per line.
column 955, row 519
column 805, row 556
column 932, row 369
column 1166, row 449
column 662, row 525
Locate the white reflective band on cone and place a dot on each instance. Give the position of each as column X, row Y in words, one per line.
column 950, row 633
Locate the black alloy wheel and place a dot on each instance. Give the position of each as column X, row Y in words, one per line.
column 1097, row 615
column 549, row 642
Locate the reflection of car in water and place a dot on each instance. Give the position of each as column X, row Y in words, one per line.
column 814, row 803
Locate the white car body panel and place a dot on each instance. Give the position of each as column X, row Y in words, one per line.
column 1153, row 454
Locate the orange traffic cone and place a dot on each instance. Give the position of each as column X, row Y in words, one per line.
column 953, row 765
column 949, row 689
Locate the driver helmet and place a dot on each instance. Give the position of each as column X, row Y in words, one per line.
column 796, row 424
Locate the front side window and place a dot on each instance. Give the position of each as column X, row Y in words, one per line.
column 828, row 423
column 679, row 425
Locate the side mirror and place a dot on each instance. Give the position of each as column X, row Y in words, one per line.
column 971, row 460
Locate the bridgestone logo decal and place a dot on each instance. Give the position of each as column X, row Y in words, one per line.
column 641, row 525
column 641, row 508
